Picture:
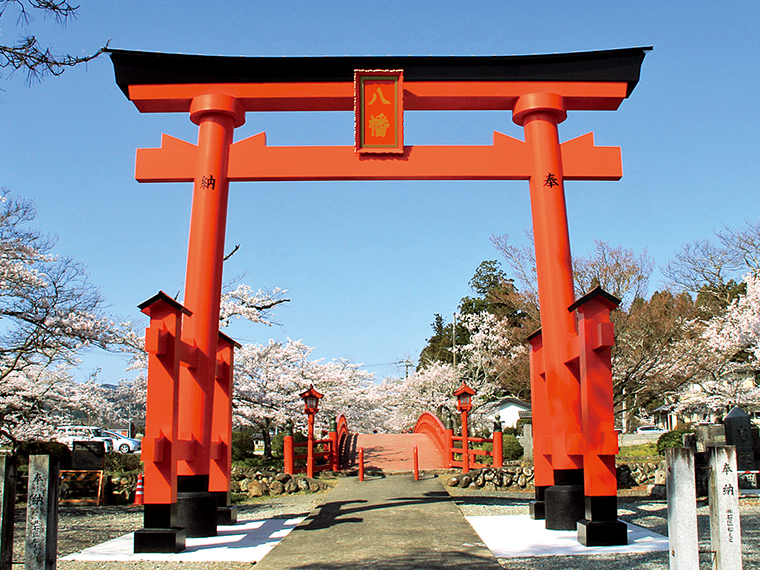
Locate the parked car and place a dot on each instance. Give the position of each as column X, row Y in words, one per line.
column 121, row 443
column 70, row 434
column 650, row 429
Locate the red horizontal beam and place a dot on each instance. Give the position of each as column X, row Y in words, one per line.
column 418, row 95
column 252, row 160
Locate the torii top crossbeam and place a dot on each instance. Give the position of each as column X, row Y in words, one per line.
column 597, row 80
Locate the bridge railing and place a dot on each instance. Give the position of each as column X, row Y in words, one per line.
column 433, row 427
column 333, row 449
column 328, row 450
column 495, row 453
column 444, row 439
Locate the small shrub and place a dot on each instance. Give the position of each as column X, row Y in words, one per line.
column 511, row 448
column 484, row 459
column 278, row 445
column 511, row 431
column 243, row 445
column 521, row 422
column 122, row 463
column 673, row 438
column 260, row 463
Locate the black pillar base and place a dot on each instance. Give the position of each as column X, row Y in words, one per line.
column 538, row 507
column 196, row 506
column 601, row 526
column 161, row 540
column 161, row 533
column 602, row 533
column 197, row 512
column 226, row 514
column 565, row 500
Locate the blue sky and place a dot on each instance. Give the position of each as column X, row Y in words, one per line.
column 368, row 264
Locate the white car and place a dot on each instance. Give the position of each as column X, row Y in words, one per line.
column 651, row 429
column 121, row 443
column 70, row 434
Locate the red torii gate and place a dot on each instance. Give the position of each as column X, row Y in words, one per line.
column 218, row 91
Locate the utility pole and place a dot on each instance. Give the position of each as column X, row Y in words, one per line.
column 454, row 342
column 406, row 363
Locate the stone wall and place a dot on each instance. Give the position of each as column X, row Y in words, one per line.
column 511, row 477
column 261, row 483
column 635, row 473
column 518, row 476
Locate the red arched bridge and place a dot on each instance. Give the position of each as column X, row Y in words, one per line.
column 435, row 445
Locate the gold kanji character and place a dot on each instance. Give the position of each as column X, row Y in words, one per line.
column 379, row 93
column 379, row 124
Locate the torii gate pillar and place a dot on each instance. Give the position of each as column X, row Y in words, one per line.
column 216, row 115
column 539, row 114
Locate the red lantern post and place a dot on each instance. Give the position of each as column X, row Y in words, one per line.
column 464, row 396
column 311, row 406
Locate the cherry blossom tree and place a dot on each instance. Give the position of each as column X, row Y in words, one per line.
column 50, row 313
column 480, row 364
column 268, row 379
column 738, row 329
column 728, row 375
column 29, row 403
column 243, row 303
column 429, row 389
column 495, row 356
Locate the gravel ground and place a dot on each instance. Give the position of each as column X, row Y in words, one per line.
column 637, row 510
column 81, row 527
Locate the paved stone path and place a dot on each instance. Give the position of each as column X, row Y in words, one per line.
column 383, row 523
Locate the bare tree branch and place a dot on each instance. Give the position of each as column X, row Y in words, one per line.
column 27, row 53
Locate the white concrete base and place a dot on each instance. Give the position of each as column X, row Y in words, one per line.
column 519, row 536
column 514, row 536
column 247, row 541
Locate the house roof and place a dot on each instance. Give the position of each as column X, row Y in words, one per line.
column 510, row 401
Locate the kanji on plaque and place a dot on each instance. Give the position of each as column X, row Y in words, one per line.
column 378, row 104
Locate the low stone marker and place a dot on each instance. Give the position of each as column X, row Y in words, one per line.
column 682, row 509
column 42, row 512
column 526, row 440
column 7, row 504
column 88, row 456
column 725, row 528
column 739, row 434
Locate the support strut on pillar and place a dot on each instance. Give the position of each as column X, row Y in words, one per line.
column 220, row 476
column 543, row 474
column 600, row 525
column 161, row 532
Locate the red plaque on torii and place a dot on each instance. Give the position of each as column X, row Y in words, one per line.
column 539, row 90
column 379, row 111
